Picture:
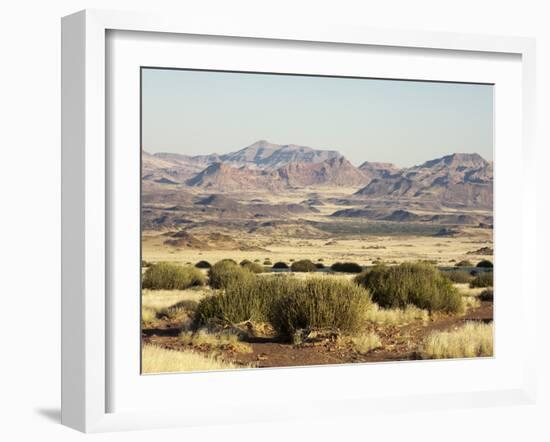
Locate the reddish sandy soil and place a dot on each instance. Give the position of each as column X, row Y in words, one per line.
column 399, row 343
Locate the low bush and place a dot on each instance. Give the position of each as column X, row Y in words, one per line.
column 226, row 271
column 484, row 279
column 267, row 262
column 458, row 277
column 319, row 265
column 464, row 263
column 244, row 299
column 347, row 267
column 319, row 303
column 304, row 265
column 288, row 304
column 171, row 276
column 419, row 284
column 280, row 265
column 485, row 264
column 253, row 267
column 486, row 295
column 203, row 265
column 145, row 263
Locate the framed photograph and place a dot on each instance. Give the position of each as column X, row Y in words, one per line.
column 250, row 213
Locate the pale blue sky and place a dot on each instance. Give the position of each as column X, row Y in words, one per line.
column 403, row 122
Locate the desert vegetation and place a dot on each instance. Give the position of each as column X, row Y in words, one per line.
column 419, row 284
column 304, row 265
column 469, row 341
column 346, row 267
column 484, row 279
column 161, row 360
column 169, row 276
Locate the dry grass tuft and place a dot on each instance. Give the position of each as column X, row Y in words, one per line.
column 395, row 316
column 365, row 343
column 222, row 340
column 159, row 360
column 469, row 341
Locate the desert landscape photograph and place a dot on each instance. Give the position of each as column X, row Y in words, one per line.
column 294, row 220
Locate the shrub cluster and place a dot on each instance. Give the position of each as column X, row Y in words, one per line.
column 169, row 276
column 288, row 304
column 485, row 264
column 347, row 267
column 464, row 263
column 486, row 295
column 248, row 298
column 280, row 265
column 320, row 303
column 254, row 267
column 419, row 284
column 484, row 279
column 458, row 276
column 319, row 265
column 225, row 271
column 203, row 265
column 304, row 265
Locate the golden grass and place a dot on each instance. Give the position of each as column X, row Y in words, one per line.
column 471, row 302
column 161, row 299
column 466, row 290
column 469, row 341
column 365, row 343
column 224, row 340
column 159, row 360
column 395, row 316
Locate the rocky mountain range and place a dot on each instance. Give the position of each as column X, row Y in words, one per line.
column 456, row 180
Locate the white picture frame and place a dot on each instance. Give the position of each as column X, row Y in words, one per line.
column 86, row 316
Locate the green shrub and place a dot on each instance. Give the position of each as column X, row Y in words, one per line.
column 486, row 295
column 464, row 263
column 244, row 299
column 320, row 260
column 256, row 260
column 319, row 265
column 253, row 267
column 267, row 262
column 244, row 262
column 304, row 265
column 280, row 265
column 203, row 265
column 347, row 267
column 318, row 303
column 485, row 264
column 226, row 271
column 420, row 284
column 484, row 279
column 169, row 276
column 208, row 308
column 288, row 304
column 458, row 277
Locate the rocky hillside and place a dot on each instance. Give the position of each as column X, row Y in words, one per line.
column 461, row 180
column 456, row 180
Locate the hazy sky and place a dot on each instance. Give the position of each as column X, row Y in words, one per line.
column 402, row 122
